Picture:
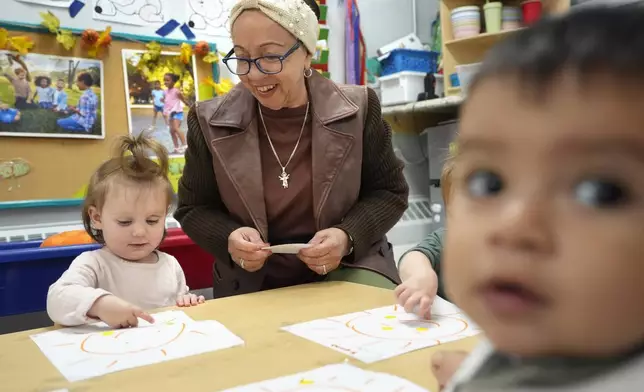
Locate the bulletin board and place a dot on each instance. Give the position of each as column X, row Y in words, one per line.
column 61, row 168
column 205, row 20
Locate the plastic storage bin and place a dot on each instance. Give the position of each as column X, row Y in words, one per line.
column 27, row 271
column 401, row 87
column 466, row 73
column 196, row 262
column 399, row 60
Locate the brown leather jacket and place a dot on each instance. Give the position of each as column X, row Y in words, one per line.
column 357, row 180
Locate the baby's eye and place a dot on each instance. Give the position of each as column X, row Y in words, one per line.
column 484, row 183
column 601, row 193
column 152, row 221
column 125, row 223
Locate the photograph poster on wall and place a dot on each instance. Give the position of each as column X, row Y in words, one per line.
column 51, row 96
column 158, row 98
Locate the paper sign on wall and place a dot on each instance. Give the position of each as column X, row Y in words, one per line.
column 50, row 3
column 133, row 12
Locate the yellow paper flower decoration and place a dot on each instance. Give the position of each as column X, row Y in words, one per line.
column 96, row 42
column 21, row 44
column 186, row 53
column 220, row 88
column 52, row 23
column 212, row 57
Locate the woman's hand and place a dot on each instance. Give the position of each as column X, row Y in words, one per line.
column 189, row 299
column 419, row 286
column 117, row 313
column 326, row 250
column 245, row 247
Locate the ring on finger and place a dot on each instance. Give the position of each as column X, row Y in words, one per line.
column 241, row 263
column 323, row 269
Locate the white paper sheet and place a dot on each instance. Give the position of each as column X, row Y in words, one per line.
column 84, row 352
column 342, row 377
column 133, row 12
column 287, row 248
column 207, row 17
column 382, row 333
column 50, row 3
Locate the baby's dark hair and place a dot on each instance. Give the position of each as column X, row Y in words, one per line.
column 39, row 80
column 173, row 76
column 86, row 79
column 131, row 164
column 584, row 42
column 314, row 6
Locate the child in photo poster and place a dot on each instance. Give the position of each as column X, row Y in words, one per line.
column 20, row 80
column 60, row 96
column 44, row 92
column 158, row 96
column 8, row 115
column 173, row 110
column 85, row 113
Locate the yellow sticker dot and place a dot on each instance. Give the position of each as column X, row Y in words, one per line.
column 306, row 382
column 108, row 333
column 390, row 317
column 169, row 323
column 422, row 329
column 387, row 328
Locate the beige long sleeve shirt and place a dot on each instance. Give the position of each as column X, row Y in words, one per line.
column 97, row 273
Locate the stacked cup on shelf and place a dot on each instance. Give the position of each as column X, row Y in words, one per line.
column 511, row 18
column 466, row 21
column 531, row 10
column 492, row 16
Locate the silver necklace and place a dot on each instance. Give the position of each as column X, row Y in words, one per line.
column 284, row 177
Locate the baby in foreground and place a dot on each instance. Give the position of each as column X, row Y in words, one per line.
column 127, row 201
column 545, row 244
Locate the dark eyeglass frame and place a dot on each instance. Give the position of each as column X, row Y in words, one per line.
column 256, row 60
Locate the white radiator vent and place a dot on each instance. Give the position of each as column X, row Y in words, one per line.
column 415, row 224
column 418, row 210
column 35, row 233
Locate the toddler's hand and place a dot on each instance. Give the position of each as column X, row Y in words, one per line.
column 190, row 299
column 445, row 364
column 417, row 294
column 117, row 313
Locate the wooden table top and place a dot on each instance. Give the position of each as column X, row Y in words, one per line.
column 268, row 352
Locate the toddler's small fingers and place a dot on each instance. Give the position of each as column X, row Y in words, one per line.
column 399, row 290
column 437, row 361
column 412, row 302
column 194, row 300
column 202, row 299
column 424, row 307
column 143, row 315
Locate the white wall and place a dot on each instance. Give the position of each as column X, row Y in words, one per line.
column 382, row 21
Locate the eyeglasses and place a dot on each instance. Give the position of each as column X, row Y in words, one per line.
column 270, row 64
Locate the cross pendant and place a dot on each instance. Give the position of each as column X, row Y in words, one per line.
column 284, row 178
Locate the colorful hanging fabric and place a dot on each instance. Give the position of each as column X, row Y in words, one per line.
column 356, row 56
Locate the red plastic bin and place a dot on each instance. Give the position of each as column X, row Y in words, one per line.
column 196, row 262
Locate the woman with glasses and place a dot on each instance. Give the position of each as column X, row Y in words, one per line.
column 289, row 157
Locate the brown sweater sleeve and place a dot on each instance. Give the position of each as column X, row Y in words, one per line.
column 200, row 211
column 383, row 188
